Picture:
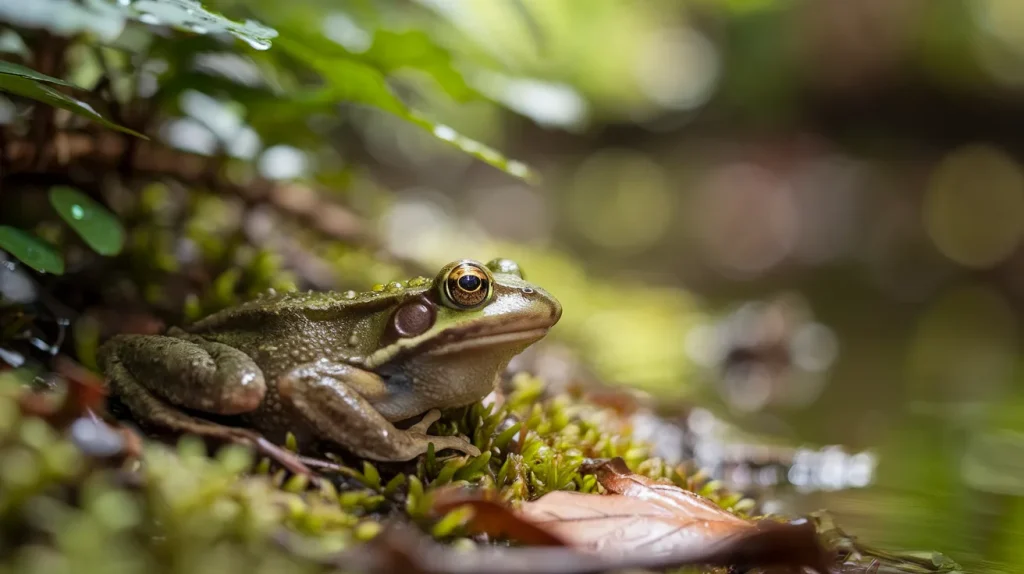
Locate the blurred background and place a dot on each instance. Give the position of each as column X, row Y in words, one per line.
column 810, row 217
column 796, row 226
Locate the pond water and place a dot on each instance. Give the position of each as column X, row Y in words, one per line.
column 929, row 392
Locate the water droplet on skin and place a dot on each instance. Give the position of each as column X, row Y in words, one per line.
column 353, row 340
column 377, row 288
column 395, row 287
column 349, row 294
column 418, row 281
column 77, row 212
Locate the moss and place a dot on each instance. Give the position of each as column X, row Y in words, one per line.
column 178, row 508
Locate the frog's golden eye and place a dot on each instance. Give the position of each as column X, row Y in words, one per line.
column 466, row 286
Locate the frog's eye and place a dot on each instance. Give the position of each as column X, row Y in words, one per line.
column 508, row 266
column 466, row 286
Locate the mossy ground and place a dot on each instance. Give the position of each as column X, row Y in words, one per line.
column 182, row 509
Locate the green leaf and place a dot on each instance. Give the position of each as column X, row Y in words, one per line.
column 106, row 18
column 99, row 228
column 31, row 250
column 40, row 92
column 350, row 80
column 415, row 49
column 102, row 18
column 191, row 16
column 12, row 69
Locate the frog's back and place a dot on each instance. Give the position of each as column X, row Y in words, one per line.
column 283, row 329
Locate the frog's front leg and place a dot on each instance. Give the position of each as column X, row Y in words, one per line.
column 185, row 370
column 335, row 400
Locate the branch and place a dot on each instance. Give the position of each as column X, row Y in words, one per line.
column 100, row 151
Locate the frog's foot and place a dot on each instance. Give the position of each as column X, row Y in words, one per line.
column 150, row 410
column 459, row 443
column 432, row 416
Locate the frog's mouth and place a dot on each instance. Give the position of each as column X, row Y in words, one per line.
column 457, row 343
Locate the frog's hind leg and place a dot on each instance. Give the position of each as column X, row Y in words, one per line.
column 187, row 371
column 150, row 410
column 340, row 414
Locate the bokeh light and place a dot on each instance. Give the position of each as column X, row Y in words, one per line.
column 974, row 206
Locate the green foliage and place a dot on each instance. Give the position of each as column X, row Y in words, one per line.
column 191, row 16
column 99, row 228
column 31, row 250
column 351, row 80
column 184, row 510
column 12, row 69
column 25, row 86
column 106, row 18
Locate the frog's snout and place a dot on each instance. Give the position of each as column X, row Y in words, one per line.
column 542, row 297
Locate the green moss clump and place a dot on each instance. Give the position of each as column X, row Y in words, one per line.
column 178, row 509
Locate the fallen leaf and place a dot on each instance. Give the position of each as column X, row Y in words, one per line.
column 495, row 519
column 640, row 514
column 403, row 549
column 642, row 522
column 620, row 524
column 85, row 394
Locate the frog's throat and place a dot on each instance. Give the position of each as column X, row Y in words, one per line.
column 436, row 347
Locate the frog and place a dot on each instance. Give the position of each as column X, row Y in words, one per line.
column 341, row 368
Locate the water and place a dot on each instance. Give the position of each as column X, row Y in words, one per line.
column 931, row 388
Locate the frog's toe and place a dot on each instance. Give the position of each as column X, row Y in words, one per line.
column 428, row 419
column 458, row 443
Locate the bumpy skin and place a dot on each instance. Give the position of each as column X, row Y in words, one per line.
column 335, row 367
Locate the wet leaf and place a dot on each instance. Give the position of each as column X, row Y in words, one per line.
column 99, row 228
column 106, row 18
column 353, row 81
column 191, row 16
column 34, row 90
column 31, row 250
column 12, row 69
column 103, row 18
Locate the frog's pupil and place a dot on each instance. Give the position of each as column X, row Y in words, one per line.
column 469, row 282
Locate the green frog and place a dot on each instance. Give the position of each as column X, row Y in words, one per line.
column 335, row 367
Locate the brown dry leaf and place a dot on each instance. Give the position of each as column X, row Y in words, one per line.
column 86, row 393
column 620, row 524
column 640, row 514
column 495, row 519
